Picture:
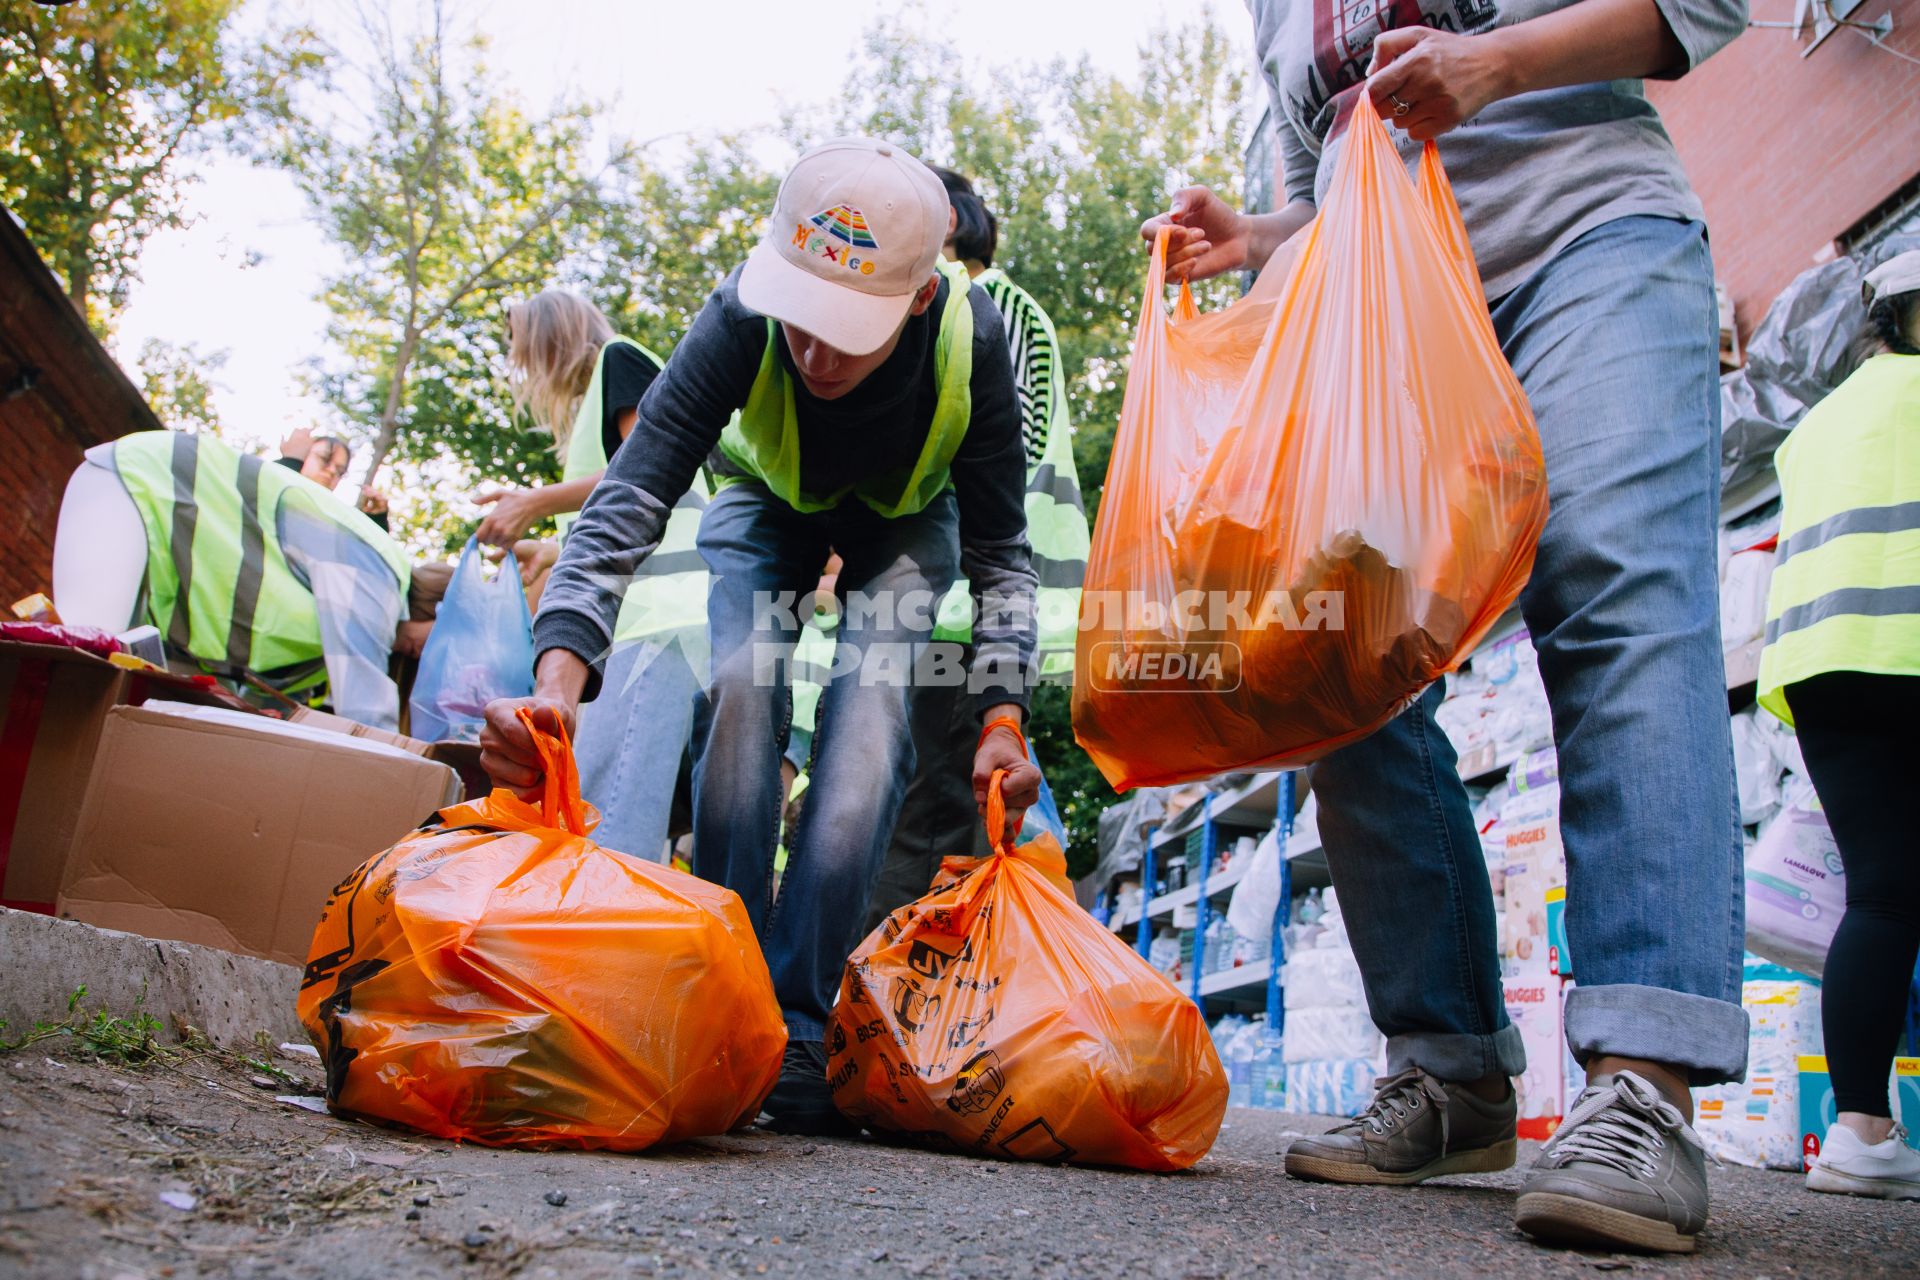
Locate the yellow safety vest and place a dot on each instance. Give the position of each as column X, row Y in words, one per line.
column 1845, row 594
column 218, row 584
column 1056, row 514
column 763, row 439
column 668, row 597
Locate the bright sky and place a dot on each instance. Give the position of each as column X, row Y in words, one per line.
column 243, row 278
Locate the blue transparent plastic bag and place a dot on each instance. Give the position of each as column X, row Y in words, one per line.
column 481, row 648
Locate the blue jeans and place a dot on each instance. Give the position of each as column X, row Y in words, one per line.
column 1614, row 341
column 630, row 744
column 758, row 546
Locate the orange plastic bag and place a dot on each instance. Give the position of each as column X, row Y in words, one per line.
column 503, row 979
column 995, row 1017
column 1320, row 498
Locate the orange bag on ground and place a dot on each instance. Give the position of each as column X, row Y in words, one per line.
column 503, row 979
column 995, row 1017
column 1320, row 498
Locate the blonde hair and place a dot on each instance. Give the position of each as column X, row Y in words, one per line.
column 553, row 343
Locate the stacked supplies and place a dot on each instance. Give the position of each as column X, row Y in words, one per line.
column 1331, row 1048
column 1757, row 1122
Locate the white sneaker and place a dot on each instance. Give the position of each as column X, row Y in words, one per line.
column 1848, row 1165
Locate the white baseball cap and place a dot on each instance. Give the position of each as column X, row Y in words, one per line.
column 856, row 231
column 1897, row 275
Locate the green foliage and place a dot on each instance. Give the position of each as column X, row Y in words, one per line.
column 177, row 379
column 99, row 102
column 1071, row 160
column 129, row 1040
column 672, row 235
column 446, row 198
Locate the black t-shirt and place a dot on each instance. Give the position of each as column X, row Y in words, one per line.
column 625, row 375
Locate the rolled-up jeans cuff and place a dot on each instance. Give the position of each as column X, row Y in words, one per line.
column 802, row 1027
column 1705, row 1037
column 1455, row 1056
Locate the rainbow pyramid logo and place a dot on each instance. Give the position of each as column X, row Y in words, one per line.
column 844, row 222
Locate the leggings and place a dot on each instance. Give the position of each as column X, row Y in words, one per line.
column 1858, row 733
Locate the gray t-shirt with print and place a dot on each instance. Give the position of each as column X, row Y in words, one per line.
column 1532, row 172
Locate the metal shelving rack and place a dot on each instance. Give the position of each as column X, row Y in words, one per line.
column 1269, row 800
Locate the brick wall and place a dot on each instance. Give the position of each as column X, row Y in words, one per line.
column 60, row 392
column 1788, row 152
column 37, row 454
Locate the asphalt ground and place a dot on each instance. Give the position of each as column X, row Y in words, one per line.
column 192, row 1167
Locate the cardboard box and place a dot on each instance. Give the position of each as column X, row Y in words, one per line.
column 1817, row 1112
column 216, row 827
column 1559, row 959
column 53, row 702
column 1534, row 1007
column 354, row 729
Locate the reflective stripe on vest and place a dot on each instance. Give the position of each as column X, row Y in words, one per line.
column 764, row 437
column 1056, row 514
column 667, row 598
column 218, row 583
column 1845, row 594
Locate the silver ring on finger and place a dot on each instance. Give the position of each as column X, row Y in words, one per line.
column 1399, row 108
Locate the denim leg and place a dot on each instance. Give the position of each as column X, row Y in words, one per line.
column 630, row 742
column 1614, row 341
column 755, row 546
column 1412, row 882
column 862, row 751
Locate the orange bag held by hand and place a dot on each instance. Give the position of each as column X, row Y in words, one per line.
column 504, row 980
column 995, row 1017
column 1320, row 498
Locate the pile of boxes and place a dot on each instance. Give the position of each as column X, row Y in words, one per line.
column 1536, row 965
column 155, row 803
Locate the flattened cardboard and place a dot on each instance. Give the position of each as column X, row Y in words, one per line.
column 53, row 702
column 229, row 830
column 354, row 729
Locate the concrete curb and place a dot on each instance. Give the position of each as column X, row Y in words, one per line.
column 229, row 997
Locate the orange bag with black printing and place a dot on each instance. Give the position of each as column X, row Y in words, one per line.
column 995, row 1017
column 500, row 978
column 1320, row 498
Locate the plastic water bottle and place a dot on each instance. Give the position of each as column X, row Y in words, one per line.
column 1240, row 1063
column 1267, row 1073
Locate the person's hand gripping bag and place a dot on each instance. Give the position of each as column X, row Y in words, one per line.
column 1320, row 498
column 994, row 1017
column 480, row 649
column 500, row 978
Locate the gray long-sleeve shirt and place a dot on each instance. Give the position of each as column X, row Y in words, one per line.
column 877, row 429
column 1532, row 172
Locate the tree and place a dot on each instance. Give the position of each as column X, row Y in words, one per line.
column 445, row 199
column 178, row 381
column 99, row 104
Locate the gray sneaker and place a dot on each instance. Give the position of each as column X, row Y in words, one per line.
column 1623, row 1172
column 1417, row 1127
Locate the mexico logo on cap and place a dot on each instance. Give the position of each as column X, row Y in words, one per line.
column 842, row 223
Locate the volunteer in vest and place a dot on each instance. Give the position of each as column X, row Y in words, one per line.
column 1842, row 665
column 249, row 569
column 1593, row 256
column 877, row 418
column 324, row 460
column 572, row 376
column 935, row 817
